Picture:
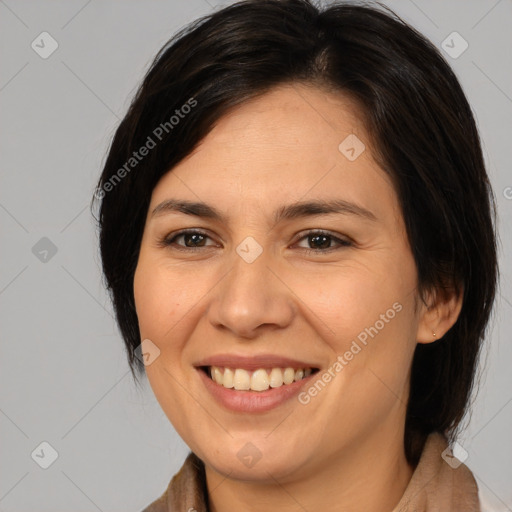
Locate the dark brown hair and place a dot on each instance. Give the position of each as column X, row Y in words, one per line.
column 424, row 136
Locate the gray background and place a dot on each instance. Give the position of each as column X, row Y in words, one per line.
column 64, row 377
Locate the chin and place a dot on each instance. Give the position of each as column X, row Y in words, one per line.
column 244, row 461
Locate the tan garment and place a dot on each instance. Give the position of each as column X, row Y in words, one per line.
column 434, row 487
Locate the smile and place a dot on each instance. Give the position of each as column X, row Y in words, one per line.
column 260, row 379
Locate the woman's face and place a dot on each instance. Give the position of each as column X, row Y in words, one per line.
column 243, row 292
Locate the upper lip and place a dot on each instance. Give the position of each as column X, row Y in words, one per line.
column 254, row 362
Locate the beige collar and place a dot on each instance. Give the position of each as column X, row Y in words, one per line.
column 434, row 487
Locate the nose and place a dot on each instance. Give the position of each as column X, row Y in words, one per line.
column 251, row 299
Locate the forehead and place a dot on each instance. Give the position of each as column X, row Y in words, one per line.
column 289, row 117
column 279, row 147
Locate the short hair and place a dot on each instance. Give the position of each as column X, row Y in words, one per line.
column 424, row 137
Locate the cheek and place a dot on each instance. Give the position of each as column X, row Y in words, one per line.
column 358, row 299
column 373, row 347
column 162, row 297
column 370, row 308
column 151, row 301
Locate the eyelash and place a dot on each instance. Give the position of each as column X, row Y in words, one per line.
column 169, row 241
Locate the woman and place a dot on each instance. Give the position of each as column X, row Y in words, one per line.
column 296, row 228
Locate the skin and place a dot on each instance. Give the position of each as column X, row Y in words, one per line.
column 343, row 450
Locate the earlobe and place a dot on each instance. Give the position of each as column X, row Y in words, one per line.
column 438, row 315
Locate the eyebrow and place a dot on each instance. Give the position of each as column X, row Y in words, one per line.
column 285, row 212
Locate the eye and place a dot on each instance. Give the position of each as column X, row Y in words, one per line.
column 196, row 240
column 323, row 239
column 193, row 240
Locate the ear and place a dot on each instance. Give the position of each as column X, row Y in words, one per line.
column 438, row 313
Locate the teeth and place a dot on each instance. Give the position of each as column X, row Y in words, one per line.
column 228, row 378
column 217, row 375
column 289, row 375
column 276, row 378
column 259, row 380
column 241, row 380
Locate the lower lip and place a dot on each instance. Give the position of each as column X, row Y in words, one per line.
column 252, row 401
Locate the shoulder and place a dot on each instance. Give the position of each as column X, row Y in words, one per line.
column 186, row 490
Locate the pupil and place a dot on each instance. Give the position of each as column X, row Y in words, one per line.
column 315, row 238
column 189, row 236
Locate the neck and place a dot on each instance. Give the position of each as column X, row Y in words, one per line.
column 371, row 476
